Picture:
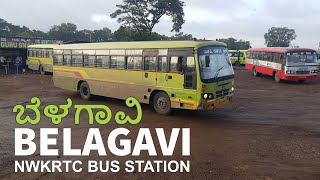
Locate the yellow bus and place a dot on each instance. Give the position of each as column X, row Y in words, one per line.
column 238, row 57
column 40, row 58
column 165, row 74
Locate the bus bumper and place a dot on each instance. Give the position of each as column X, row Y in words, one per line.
column 295, row 78
column 209, row 105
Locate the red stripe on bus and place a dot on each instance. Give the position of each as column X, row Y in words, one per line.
column 75, row 73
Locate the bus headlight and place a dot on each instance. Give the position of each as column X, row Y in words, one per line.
column 207, row 96
column 290, row 72
column 314, row 71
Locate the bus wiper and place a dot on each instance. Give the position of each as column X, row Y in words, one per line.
column 217, row 73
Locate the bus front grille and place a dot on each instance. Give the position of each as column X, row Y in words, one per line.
column 222, row 93
column 302, row 72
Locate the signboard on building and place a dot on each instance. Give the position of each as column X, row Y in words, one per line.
column 23, row 43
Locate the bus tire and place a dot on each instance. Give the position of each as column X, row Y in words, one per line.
column 276, row 78
column 42, row 70
column 162, row 103
column 84, row 91
column 255, row 73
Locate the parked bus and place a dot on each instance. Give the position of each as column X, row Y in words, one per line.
column 166, row 74
column 40, row 58
column 238, row 57
column 294, row 64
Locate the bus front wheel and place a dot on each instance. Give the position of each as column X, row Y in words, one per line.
column 85, row 91
column 255, row 73
column 162, row 103
column 276, row 78
column 42, row 70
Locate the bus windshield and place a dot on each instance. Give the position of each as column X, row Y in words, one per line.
column 298, row 59
column 215, row 64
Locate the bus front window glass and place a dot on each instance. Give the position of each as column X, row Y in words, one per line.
column 215, row 64
column 296, row 59
column 162, row 64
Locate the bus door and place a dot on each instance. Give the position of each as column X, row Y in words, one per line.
column 149, row 75
column 181, row 76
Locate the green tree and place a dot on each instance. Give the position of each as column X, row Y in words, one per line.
column 279, row 37
column 243, row 45
column 38, row 33
column 182, row 36
column 102, row 35
column 24, row 34
column 143, row 15
column 84, row 35
column 234, row 44
column 125, row 33
column 64, row 31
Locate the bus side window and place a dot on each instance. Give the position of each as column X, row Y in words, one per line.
column 134, row 62
column 162, row 63
column 150, row 63
column 173, row 64
column 67, row 60
column 117, row 62
column 254, row 55
column 190, row 74
column 282, row 58
column 103, row 61
column 77, row 60
column 89, row 61
column 58, row 60
column 50, row 54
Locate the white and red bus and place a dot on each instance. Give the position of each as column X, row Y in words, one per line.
column 295, row 64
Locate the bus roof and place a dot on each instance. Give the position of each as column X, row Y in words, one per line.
column 281, row 49
column 43, row 46
column 143, row 44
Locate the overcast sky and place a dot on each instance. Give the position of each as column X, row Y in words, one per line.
column 210, row 19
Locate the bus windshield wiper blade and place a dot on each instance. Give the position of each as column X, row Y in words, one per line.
column 217, row 73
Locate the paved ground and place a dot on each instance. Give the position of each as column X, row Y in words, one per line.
column 269, row 131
